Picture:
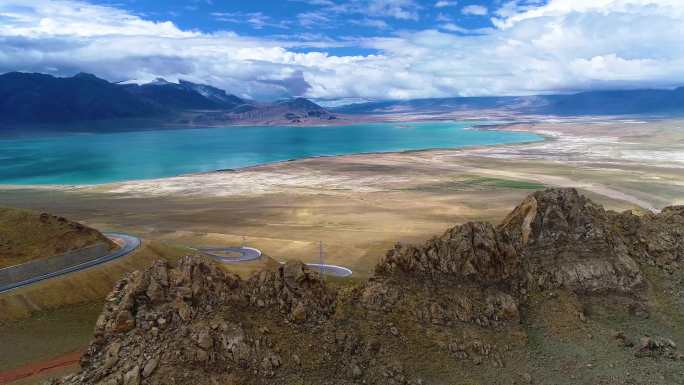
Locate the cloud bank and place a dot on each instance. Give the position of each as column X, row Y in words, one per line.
column 561, row 46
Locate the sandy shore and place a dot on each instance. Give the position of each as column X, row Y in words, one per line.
column 612, row 144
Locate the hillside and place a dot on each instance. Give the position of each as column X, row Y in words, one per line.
column 561, row 292
column 26, row 235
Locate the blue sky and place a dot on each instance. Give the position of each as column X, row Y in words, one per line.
column 354, row 49
column 271, row 17
column 320, row 19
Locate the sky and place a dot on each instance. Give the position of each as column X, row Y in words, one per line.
column 354, row 49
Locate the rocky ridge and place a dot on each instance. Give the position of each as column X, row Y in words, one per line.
column 461, row 308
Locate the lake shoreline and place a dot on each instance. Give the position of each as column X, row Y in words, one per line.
column 466, row 126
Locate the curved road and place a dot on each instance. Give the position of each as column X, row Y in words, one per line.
column 127, row 243
column 247, row 254
column 332, row 270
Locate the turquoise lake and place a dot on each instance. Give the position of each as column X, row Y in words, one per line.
column 92, row 158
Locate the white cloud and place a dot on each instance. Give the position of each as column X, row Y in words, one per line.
column 445, row 3
column 565, row 45
column 453, row 27
column 372, row 23
column 478, row 10
column 256, row 19
column 397, row 9
column 313, row 19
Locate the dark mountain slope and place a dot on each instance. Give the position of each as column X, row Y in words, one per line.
column 185, row 95
column 214, row 94
column 613, row 103
column 38, row 98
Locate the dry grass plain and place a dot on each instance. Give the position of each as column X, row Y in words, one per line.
column 358, row 205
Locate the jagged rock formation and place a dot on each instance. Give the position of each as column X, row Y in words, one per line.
column 474, row 251
column 568, row 241
column 458, row 309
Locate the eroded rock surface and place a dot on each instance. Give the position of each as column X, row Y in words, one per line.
column 568, row 241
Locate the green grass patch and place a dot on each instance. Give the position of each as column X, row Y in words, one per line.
column 47, row 334
column 477, row 184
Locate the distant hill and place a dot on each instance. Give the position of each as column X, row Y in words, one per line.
column 585, row 103
column 426, row 105
column 297, row 109
column 26, row 235
column 31, row 98
column 288, row 111
column 38, row 98
column 613, row 102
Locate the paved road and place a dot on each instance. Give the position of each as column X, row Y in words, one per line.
column 333, row 270
column 247, row 254
column 127, row 245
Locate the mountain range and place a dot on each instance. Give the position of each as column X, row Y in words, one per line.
column 32, row 98
column 624, row 102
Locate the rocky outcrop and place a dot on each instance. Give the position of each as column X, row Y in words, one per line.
column 167, row 317
column 470, row 274
column 453, row 303
column 295, row 290
column 555, row 239
column 474, row 252
column 568, row 241
column 656, row 239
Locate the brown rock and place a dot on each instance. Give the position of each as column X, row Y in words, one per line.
column 149, row 367
column 299, row 313
column 204, row 340
column 124, row 322
column 568, row 241
column 112, row 355
column 132, row 377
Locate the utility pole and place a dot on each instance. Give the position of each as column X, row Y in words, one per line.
column 320, row 255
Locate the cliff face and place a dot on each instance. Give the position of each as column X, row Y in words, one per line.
column 467, row 307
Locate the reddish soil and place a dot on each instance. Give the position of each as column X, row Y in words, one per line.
column 41, row 367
